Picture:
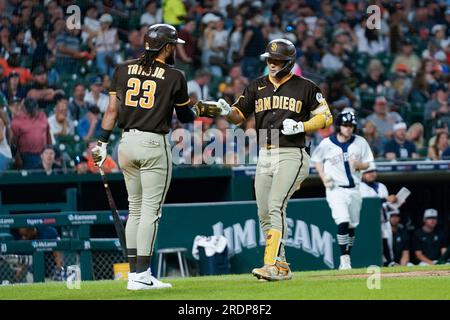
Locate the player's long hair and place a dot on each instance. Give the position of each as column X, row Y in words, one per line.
column 147, row 59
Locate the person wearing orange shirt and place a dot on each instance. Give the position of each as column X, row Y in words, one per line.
column 108, row 166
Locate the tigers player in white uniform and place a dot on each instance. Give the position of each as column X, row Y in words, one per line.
column 370, row 188
column 339, row 160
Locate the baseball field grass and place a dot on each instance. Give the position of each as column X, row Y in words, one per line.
column 408, row 283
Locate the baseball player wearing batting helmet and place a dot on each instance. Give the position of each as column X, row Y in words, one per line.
column 285, row 107
column 370, row 188
column 144, row 92
column 339, row 160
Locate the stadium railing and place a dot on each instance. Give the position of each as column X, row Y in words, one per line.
column 79, row 249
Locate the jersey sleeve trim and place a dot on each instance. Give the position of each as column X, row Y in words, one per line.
column 183, row 104
column 113, row 92
column 235, row 106
column 240, row 97
column 240, row 112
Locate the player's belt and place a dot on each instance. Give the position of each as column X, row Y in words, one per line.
column 273, row 146
column 138, row 131
column 269, row 146
column 132, row 130
column 347, row 187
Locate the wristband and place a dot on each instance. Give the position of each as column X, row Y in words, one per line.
column 104, row 136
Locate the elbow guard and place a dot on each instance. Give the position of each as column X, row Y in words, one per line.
column 321, row 118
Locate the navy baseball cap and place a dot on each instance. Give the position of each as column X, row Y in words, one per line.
column 96, row 80
column 94, row 109
column 439, row 87
column 407, row 42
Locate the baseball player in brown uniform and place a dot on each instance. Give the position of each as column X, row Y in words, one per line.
column 143, row 95
column 285, row 106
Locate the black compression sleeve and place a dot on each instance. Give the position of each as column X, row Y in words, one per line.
column 185, row 114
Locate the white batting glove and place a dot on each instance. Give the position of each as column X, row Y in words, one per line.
column 328, row 182
column 226, row 109
column 99, row 153
column 291, row 127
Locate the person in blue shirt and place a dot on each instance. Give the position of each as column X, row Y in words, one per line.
column 90, row 126
column 57, row 272
column 398, row 147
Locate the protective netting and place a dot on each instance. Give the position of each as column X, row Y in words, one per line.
column 18, row 268
column 102, row 263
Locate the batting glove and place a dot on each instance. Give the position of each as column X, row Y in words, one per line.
column 209, row 109
column 291, row 127
column 99, row 153
column 226, row 109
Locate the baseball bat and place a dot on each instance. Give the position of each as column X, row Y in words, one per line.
column 120, row 230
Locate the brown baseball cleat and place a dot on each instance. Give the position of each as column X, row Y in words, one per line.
column 279, row 271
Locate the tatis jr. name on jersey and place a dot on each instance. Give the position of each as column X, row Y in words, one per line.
column 137, row 69
column 278, row 102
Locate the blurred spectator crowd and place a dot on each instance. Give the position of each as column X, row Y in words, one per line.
column 54, row 80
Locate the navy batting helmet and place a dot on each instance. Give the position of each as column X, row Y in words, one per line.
column 281, row 49
column 158, row 35
column 346, row 117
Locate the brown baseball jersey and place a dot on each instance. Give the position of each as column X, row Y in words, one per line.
column 294, row 98
column 147, row 100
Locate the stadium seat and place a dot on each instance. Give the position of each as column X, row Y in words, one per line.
column 367, row 101
column 416, row 113
column 423, row 152
column 362, row 61
column 386, row 59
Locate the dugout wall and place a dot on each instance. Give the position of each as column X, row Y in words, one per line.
column 311, row 243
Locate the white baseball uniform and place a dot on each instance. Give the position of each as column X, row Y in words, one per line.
column 378, row 189
column 344, row 198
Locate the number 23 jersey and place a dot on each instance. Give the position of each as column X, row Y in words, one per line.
column 147, row 99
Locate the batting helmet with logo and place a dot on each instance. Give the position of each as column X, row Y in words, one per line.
column 281, row 49
column 158, row 35
column 346, row 117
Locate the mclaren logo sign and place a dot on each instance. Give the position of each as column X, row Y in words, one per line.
column 301, row 235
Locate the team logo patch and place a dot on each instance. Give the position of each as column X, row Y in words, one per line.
column 319, row 97
column 273, row 46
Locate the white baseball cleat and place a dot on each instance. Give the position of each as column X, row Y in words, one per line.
column 145, row 281
column 131, row 276
column 345, row 262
